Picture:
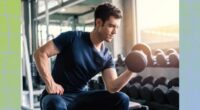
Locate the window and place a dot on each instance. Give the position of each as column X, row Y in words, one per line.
column 51, row 4
column 158, row 23
column 54, row 31
column 89, row 28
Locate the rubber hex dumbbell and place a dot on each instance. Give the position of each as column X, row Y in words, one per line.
column 157, row 51
column 173, row 59
column 134, row 90
column 147, row 51
column 159, row 93
column 171, row 50
column 146, row 92
column 173, row 82
column 147, row 88
column 160, row 90
column 137, row 79
column 135, row 84
column 160, row 81
column 125, row 89
column 136, row 61
column 173, row 96
column 161, row 60
column 148, row 79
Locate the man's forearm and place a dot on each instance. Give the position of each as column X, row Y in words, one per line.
column 42, row 63
column 123, row 79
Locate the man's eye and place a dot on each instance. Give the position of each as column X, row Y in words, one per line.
column 111, row 26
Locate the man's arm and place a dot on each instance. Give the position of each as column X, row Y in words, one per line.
column 113, row 82
column 42, row 62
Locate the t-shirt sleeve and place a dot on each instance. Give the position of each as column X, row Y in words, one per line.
column 63, row 40
column 109, row 63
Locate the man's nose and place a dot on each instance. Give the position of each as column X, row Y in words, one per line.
column 114, row 31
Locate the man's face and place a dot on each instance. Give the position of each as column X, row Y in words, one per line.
column 108, row 29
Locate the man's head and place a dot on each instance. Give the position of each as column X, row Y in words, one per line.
column 105, row 10
column 107, row 20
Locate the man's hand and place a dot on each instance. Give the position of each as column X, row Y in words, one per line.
column 54, row 88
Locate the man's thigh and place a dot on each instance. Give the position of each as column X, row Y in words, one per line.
column 94, row 100
column 56, row 100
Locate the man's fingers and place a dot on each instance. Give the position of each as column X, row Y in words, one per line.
column 55, row 89
column 61, row 90
column 58, row 92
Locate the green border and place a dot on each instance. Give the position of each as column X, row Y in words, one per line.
column 189, row 54
column 10, row 61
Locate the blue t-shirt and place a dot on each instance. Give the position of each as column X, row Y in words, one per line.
column 78, row 60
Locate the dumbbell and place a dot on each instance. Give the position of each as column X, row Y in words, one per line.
column 173, row 82
column 136, row 61
column 147, row 88
column 147, row 51
column 137, row 79
column 173, row 60
column 157, row 51
column 154, row 56
column 172, row 57
column 160, row 90
column 146, row 92
column 171, row 50
column 148, row 80
column 173, row 96
column 134, row 90
column 161, row 60
column 126, row 88
column 159, row 93
column 160, row 81
column 135, row 84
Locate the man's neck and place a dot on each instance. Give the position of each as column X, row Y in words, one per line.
column 96, row 41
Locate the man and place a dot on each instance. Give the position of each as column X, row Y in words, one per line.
column 80, row 56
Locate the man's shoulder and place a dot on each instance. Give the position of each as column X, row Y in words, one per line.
column 74, row 33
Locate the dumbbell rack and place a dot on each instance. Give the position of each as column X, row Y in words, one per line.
column 30, row 105
column 167, row 100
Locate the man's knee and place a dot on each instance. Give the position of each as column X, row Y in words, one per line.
column 122, row 96
column 122, row 101
column 53, row 102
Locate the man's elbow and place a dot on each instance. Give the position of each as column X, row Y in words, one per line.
column 113, row 90
column 39, row 54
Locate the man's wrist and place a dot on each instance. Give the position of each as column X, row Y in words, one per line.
column 49, row 82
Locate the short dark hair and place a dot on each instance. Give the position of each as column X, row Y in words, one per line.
column 105, row 10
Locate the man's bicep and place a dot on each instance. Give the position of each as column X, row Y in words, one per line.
column 109, row 75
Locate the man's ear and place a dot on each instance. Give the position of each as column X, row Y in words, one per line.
column 99, row 22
